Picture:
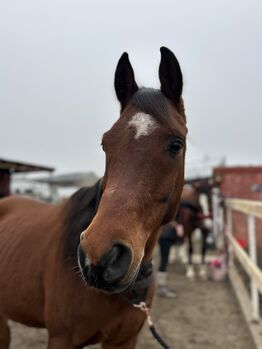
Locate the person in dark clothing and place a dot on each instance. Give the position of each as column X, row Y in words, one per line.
column 170, row 234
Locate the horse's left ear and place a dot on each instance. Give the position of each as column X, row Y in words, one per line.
column 125, row 84
column 170, row 75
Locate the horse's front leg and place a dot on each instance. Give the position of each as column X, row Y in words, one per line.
column 203, row 267
column 129, row 344
column 60, row 342
column 190, row 272
column 204, row 232
column 4, row 333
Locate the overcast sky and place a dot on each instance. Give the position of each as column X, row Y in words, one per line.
column 57, row 63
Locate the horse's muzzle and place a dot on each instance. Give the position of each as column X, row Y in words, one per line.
column 111, row 271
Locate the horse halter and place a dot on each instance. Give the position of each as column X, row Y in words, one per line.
column 137, row 291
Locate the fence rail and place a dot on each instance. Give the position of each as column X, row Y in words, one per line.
column 224, row 228
column 251, row 268
column 252, row 209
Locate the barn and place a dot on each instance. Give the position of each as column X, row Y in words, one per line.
column 9, row 167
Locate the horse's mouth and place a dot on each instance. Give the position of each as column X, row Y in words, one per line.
column 115, row 273
column 94, row 280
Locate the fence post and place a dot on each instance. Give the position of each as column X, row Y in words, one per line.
column 253, row 257
column 221, row 225
column 215, row 207
column 229, row 226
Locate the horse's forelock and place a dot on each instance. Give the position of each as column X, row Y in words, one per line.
column 153, row 102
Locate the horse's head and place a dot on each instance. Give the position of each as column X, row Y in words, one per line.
column 143, row 180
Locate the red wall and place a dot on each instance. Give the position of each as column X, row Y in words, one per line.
column 238, row 182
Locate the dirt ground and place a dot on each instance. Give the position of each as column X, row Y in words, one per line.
column 205, row 315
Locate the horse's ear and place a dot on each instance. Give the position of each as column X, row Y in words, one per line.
column 125, row 84
column 170, row 75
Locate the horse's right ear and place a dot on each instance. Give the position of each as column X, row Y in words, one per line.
column 125, row 85
column 170, row 76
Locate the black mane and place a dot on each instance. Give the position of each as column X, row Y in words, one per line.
column 79, row 213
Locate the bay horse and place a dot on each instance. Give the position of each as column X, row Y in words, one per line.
column 195, row 212
column 77, row 268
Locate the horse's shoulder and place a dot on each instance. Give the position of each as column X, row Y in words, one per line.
column 188, row 193
column 15, row 199
column 14, row 203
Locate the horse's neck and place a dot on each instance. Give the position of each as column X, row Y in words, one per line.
column 190, row 195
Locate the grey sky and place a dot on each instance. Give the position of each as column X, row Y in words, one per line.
column 57, row 65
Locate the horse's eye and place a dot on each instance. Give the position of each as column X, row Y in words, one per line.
column 102, row 145
column 175, row 146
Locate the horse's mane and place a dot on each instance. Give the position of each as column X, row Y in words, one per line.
column 79, row 212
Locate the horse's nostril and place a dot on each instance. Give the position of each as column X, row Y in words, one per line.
column 116, row 263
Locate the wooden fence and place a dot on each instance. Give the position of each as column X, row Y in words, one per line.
column 248, row 260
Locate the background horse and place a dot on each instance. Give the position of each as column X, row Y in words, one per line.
column 195, row 211
column 84, row 293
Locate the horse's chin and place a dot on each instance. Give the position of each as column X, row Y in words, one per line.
column 97, row 283
column 109, row 288
column 120, row 287
column 115, row 289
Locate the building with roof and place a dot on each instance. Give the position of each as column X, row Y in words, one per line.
column 9, row 167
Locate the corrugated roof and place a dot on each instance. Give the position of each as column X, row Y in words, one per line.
column 19, row 167
column 78, row 179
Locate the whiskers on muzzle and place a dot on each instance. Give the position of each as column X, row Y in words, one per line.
column 109, row 274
